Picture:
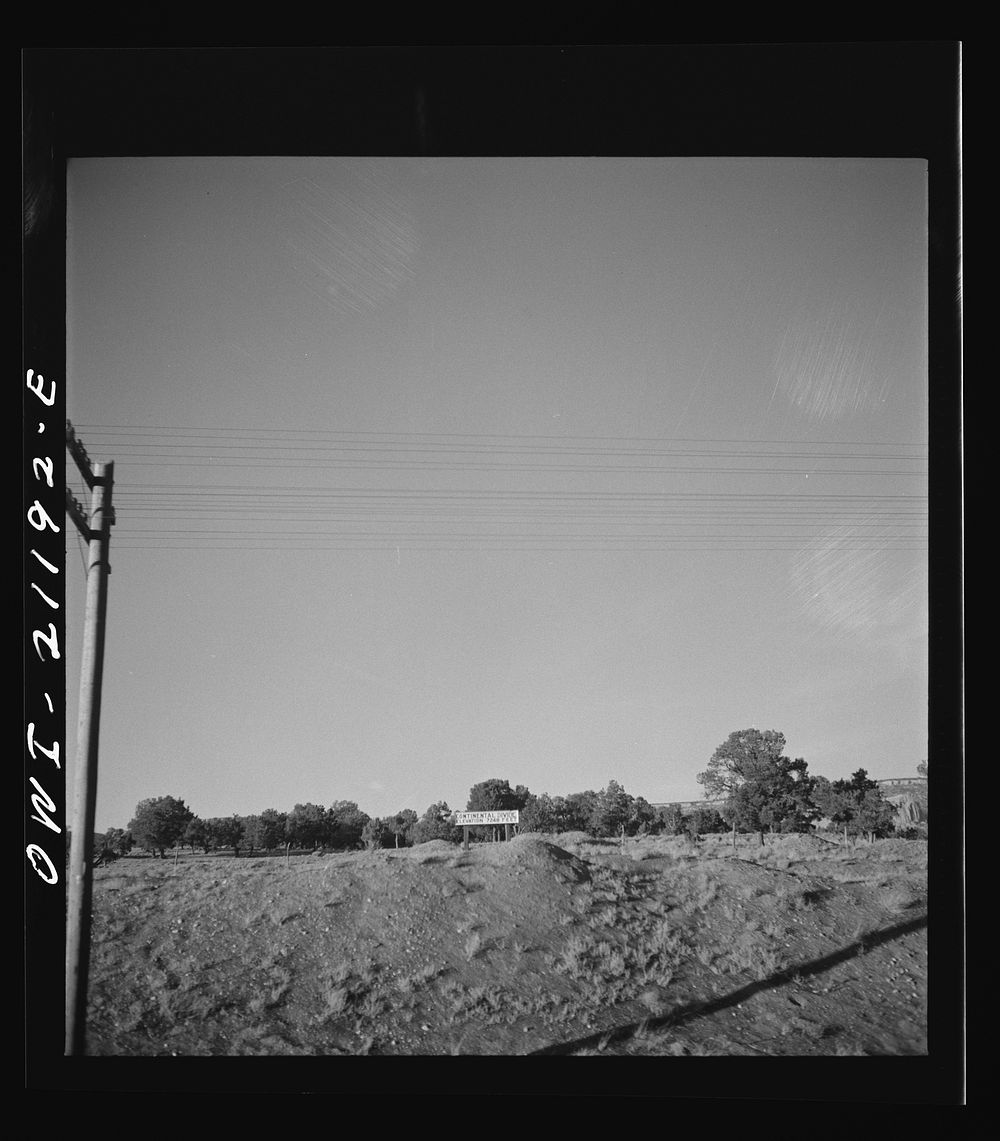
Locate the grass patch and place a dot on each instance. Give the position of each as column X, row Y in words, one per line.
column 418, row 978
column 768, row 963
column 345, row 991
column 700, row 893
column 899, row 898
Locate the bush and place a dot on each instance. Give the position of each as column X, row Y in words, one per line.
column 912, row 832
column 436, row 824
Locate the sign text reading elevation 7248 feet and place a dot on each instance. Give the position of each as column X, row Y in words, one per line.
column 502, row 817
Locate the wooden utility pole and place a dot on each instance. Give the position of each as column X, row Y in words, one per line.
column 98, row 533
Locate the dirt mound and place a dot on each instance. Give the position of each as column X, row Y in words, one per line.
column 531, row 852
column 432, row 846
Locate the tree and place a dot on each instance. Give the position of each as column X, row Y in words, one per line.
column 776, row 798
column 642, row 818
column 876, row 815
column 554, row 814
column 118, row 840
column 159, row 823
column 692, row 826
column 196, row 835
column 110, row 845
column 273, row 829
column 437, row 823
column 308, row 826
column 833, row 802
column 225, row 832
column 377, row 833
column 793, row 808
column 579, row 811
column 746, row 809
column 858, row 804
column 760, row 786
column 540, row 814
column 611, row 812
column 252, row 833
column 671, row 819
column 402, row 825
column 496, row 795
column 347, row 822
column 703, row 822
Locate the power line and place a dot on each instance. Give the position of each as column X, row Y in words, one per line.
column 296, row 464
column 299, row 491
column 270, row 516
column 117, row 429
column 500, row 450
column 467, row 548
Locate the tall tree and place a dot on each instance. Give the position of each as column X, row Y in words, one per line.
column 159, row 823
column 761, row 787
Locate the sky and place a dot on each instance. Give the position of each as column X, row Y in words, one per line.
column 432, row 470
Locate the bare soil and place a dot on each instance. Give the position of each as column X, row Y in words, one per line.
column 543, row 945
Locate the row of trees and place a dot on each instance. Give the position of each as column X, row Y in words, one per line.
column 763, row 790
column 755, row 787
column 612, row 812
column 166, row 822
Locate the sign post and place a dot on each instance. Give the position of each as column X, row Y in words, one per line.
column 506, row 817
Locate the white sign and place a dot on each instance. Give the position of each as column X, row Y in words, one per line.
column 503, row 817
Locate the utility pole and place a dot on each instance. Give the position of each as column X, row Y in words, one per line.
column 97, row 531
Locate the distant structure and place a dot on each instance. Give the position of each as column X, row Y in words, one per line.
column 902, row 782
column 690, row 805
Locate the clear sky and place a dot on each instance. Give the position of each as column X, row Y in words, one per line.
column 558, row 470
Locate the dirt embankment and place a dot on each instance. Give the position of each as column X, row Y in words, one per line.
column 543, row 944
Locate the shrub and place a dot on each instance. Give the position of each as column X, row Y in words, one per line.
column 913, row 832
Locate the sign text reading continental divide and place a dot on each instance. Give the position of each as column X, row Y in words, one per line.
column 504, row 817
